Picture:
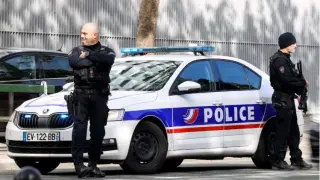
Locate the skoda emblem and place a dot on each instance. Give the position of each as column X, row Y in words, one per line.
column 45, row 110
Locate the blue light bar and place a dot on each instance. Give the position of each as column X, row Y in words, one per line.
column 27, row 116
column 133, row 51
column 63, row 116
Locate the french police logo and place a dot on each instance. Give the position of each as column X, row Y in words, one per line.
column 281, row 69
column 191, row 116
column 45, row 110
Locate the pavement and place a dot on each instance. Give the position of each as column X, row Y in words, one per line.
column 3, row 146
column 227, row 169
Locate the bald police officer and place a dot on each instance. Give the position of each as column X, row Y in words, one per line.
column 91, row 63
column 286, row 83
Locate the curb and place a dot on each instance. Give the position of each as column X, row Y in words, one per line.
column 3, row 147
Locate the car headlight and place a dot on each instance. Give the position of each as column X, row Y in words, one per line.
column 13, row 116
column 116, row 114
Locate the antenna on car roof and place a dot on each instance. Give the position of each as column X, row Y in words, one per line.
column 142, row 51
column 60, row 48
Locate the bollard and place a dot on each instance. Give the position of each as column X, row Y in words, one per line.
column 28, row 173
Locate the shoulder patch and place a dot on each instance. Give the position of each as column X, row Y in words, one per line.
column 281, row 69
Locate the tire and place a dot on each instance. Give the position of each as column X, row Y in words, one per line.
column 148, row 150
column 44, row 165
column 171, row 164
column 261, row 158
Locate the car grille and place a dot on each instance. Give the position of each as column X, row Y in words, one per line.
column 63, row 147
column 60, row 121
column 28, row 121
column 32, row 121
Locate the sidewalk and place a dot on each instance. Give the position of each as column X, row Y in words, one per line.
column 3, row 147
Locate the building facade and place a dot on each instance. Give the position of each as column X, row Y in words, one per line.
column 247, row 29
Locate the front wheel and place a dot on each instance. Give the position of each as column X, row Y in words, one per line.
column 44, row 165
column 147, row 151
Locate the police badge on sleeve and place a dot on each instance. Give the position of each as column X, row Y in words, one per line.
column 281, row 69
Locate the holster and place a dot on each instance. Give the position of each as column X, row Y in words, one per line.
column 71, row 103
column 282, row 103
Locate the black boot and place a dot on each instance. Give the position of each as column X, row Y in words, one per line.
column 300, row 164
column 95, row 171
column 281, row 165
column 82, row 170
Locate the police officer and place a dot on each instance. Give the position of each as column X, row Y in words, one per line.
column 286, row 83
column 91, row 63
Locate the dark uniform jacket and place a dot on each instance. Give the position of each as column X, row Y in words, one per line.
column 99, row 56
column 283, row 75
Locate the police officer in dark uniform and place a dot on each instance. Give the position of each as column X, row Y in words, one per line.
column 91, row 63
column 286, row 84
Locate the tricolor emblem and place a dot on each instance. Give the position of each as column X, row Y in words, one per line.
column 191, row 116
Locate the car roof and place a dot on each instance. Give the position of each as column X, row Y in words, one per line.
column 13, row 51
column 179, row 57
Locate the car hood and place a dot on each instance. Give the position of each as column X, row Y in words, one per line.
column 56, row 102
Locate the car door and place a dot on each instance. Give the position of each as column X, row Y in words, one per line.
column 243, row 107
column 18, row 69
column 193, row 122
column 55, row 69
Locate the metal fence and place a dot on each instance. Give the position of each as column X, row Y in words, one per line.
column 247, row 29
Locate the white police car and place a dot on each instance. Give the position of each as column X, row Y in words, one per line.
column 164, row 109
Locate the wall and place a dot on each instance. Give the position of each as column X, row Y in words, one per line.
column 247, row 29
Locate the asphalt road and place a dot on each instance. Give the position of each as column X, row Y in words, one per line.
column 191, row 169
column 230, row 168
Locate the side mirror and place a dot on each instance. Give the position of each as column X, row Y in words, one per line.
column 188, row 86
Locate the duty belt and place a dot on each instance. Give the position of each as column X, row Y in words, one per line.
column 285, row 94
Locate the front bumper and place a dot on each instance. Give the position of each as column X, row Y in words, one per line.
column 120, row 131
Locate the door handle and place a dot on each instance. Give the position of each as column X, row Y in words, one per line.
column 260, row 101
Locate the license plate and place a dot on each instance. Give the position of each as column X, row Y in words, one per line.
column 41, row 136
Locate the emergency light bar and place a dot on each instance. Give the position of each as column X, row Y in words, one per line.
column 194, row 49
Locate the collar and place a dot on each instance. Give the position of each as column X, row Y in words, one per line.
column 95, row 46
column 285, row 54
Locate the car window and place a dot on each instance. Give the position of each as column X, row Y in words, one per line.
column 54, row 66
column 141, row 75
column 200, row 72
column 231, row 76
column 254, row 79
column 18, row 68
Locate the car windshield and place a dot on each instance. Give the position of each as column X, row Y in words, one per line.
column 138, row 75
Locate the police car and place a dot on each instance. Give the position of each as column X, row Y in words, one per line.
column 163, row 109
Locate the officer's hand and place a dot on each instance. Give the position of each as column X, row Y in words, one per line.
column 82, row 55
